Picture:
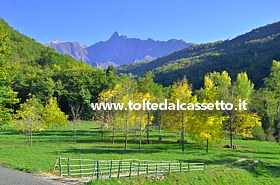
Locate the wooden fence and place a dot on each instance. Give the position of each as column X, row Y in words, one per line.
column 103, row 169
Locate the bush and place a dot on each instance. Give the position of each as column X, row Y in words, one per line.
column 258, row 133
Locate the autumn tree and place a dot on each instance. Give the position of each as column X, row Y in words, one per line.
column 124, row 118
column 52, row 115
column 107, row 116
column 233, row 93
column 142, row 117
column 207, row 125
column 29, row 116
column 177, row 119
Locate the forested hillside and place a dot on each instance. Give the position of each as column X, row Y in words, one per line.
column 252, row 52
column 36, row 70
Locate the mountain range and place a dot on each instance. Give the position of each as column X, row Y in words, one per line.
column 118, row 50
column 252, row 52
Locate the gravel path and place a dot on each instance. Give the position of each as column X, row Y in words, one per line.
column 14, row 177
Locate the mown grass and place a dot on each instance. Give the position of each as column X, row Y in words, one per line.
column 221, row 167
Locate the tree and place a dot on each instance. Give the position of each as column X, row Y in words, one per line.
column 207, row 125
column 7, row 95
column 265, row 104
column 273, row 84
column 52, row 115
column 125, row 117
column 142, row 117
column 177, row 119
column 29, row 116
column 107, row 116
column 232, row 93
column 148, row 90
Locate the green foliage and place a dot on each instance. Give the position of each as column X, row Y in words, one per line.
column 52, row 115
column 251, row 52
column 258, row 133
column 29, row 115
column 7, row 95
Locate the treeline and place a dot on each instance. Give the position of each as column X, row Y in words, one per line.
column 260, row 121
column 40, row 88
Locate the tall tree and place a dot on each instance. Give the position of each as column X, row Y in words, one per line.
column 232, row 93
column 7, row 95
column 207, row 125
column 125, row 117
column 177, row 119
column 273, row 83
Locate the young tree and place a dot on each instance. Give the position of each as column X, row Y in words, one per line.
column 108, row 116
column 125, row 117
column 177, row 119
column 52, row 115
column 142, row 118
column 207, row 125
column 232, row 93
column 29, row 116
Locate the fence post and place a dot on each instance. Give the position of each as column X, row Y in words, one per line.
column 180, row 166
column 68, row 167
column 130, row 166
column 169, row 168
column 203, row 166
column 138, row 173
column 81, row 167
column 119, row 169
column 98, row 170
column 110, row 170
column 94, row 167
column 189, row 167
column 147, row 169
column 156, row 171
column 60, row 167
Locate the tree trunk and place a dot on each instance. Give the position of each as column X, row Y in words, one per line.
column 148, row 129
column 183, row 133
column 113, row 136
column 30, row 137
column 207, row 145
column 102, row 131
column 126, row 132
column 140, row 138
column 148, row 135
column 230, row 134
column 183, row 140
column 125, row 144
column 74, row 131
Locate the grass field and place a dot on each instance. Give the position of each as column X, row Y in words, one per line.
column 221, row 165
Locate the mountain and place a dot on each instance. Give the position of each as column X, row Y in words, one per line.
column 252, row 52
column 75, row 49
column 119, row 49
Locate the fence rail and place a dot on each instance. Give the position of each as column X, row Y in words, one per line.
column 102, row 169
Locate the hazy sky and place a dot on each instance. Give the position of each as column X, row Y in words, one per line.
column 89, row 21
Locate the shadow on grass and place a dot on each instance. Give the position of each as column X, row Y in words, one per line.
column 109, row 150
column 263, row 168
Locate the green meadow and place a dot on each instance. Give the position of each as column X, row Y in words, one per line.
column 252, row 162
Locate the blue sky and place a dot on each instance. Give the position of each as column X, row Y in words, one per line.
column 89, row 21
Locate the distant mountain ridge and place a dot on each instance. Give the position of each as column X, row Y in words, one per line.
column 118, row 50
column 252, row 52
column 75, row 49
